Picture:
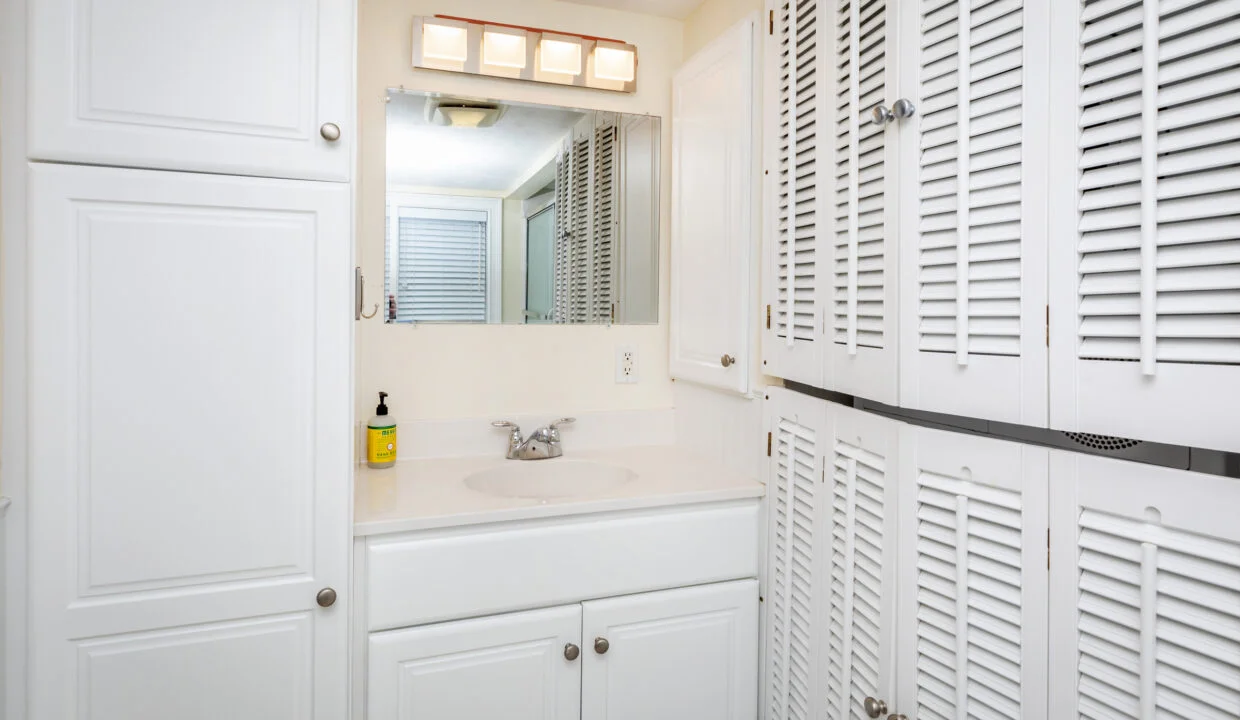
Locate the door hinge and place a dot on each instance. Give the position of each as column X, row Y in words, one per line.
column 768, row 444
column 768, row 317
column 1048, row 326
column 1048, row 548
column 770, row 23
column 613, row 313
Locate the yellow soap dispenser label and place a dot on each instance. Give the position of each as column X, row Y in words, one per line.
column 381, row 444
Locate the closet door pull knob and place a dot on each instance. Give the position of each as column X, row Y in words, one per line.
column 727, row 361
column 875, row 708
column 571, row 652
column 326, row 597
column 330, row 132
column 601, row 646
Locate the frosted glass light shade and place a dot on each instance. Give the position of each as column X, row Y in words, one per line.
column 614, row 64
column 503, row 49
column 444, row 42
column 559, row 56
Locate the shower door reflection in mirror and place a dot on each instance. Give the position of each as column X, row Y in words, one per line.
column 517, row 213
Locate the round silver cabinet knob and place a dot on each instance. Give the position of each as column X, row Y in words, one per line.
column 727, row 361
column 571, row 652
column 875, row 708
column 881, row 115
column 330, row 132
column 903, row 109
column 326, row 597
column 601, row 645
column 897, row 717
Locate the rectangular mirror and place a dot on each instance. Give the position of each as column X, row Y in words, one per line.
column 518, row 213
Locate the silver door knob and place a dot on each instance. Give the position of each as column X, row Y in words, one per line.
column 601, row 645
column 326, row 597
column 900, row 110
column 875, row 708
column 330, row 132
column 727, row 361
column 571, row 652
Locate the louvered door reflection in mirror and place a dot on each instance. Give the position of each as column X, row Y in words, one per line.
column 973, row 175
column 972, row 577
column 518, row 213
column 1145, row 591
column 794, row 676
column 1145, row 235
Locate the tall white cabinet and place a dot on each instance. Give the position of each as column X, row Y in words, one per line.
column 187, row 499
column 1007, row 210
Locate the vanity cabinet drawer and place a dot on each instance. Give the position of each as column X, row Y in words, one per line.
column 432, row 576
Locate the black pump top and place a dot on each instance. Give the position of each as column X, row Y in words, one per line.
column 382, row 409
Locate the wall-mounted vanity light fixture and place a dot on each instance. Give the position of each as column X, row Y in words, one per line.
column 477, row 47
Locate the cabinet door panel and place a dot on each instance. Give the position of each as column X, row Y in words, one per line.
column 863, row 277
column 510, row 666
column 861, row 560
column 795, row 546
column 190, row 453
column 713, row 211
column 1145, row 598
column 231, row 86
column 972, row 577
column 673, row 654
column 973, row 207
column 796, row 188
column 1145, row 261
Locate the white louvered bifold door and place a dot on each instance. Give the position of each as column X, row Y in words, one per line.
column 972, row 577
column 860, row 557
column 603, row 238
column 563, row 230
column 796, row 189
column 973, row 209
column 794, row 683
column 864, row 267
column 1145, row 263
column 1145, row 599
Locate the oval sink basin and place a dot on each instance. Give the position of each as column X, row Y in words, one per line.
column 545, row 479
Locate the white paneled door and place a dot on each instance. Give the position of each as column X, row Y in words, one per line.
column 714, row 202
column 227, row 86
column 1145, row 240
column 687, row 653
column 972, row 577
column 190, row 447
column 1145, row 591
column 972, row 177
column 522, row 666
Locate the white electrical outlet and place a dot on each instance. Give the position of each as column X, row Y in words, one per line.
column 626, row 365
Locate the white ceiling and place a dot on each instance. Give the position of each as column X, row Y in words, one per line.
column 678, row 9
column 491, row 159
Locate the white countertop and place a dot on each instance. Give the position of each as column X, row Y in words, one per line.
column 431, row 493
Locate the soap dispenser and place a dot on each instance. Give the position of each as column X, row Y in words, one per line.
column 381, row 437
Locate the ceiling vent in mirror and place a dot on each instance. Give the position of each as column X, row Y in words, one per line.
column 463, row 113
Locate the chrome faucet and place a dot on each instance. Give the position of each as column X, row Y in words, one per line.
column 542, row 444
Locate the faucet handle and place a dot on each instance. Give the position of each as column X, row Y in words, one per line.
column 562, row 421
column 505, row 424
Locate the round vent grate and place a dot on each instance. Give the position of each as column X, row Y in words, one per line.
column 1102, row 442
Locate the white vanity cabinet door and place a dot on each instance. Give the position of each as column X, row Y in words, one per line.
column 240, row 87
column 670, row 655
column 972, row 577
column 512, row 666
column 1145, row 591
column 714, row 208
column 190, row 451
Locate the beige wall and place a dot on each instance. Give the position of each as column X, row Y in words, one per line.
column 489, row 371
column 713, row 17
